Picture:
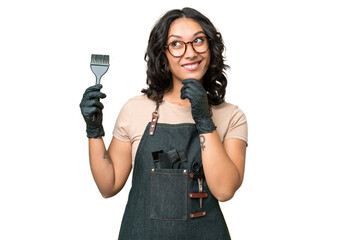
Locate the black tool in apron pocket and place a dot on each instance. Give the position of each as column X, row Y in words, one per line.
column 167, row 160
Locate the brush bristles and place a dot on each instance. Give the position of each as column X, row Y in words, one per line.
column 101, row 59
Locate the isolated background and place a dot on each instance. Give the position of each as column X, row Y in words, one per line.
column 295, row 74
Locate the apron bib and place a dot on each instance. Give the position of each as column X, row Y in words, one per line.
column 164, row 198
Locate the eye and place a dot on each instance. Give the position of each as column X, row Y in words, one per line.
column 199, row 40
column 176, row 44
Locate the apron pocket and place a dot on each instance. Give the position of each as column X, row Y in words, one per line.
column 168, row 194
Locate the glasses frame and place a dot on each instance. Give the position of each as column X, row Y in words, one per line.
column 186, row 43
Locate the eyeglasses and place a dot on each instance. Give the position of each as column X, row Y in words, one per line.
column 178, row 48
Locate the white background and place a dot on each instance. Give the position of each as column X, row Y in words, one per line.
column 295, row 73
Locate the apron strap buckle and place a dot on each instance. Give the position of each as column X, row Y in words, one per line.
column 155, row 118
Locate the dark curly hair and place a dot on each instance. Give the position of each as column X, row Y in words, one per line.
column 159, row 78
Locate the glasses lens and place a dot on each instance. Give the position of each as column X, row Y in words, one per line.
column 176, row 48
column 200, row 44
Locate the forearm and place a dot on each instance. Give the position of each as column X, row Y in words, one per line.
column 221, row 174
column 101, row 167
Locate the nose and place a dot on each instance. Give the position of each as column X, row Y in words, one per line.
column 189, row 51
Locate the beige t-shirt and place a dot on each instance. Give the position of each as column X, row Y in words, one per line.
column 137, row 113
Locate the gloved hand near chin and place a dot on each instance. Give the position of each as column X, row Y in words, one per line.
column 194, row 91
column 91, row 109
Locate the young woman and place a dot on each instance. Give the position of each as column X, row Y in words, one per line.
column 192, row 152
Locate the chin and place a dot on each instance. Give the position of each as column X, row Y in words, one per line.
column 194, row 76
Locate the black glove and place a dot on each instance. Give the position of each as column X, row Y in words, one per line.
column 194, row 91
column 91, row 109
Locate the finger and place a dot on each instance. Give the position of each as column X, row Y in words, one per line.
column 183, row 96
column 94, row 95
column 93, row 110
column 193, row 91
column 184, row 92
column 192, row 83
column 96, row 87
column 88, row 112
column 92, row 103
column 190, row 80
column 98, row 104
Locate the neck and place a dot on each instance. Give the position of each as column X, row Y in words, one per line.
column 174, row 95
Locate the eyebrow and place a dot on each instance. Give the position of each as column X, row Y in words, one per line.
column 177, row 36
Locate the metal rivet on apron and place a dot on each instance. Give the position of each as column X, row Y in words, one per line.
column 152, row 169
column 151, row 132
column 185, row 171
column 190, row 195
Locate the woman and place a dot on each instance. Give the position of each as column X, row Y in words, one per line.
column 192, row 152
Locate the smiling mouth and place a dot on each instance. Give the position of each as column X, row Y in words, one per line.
column 192, row 66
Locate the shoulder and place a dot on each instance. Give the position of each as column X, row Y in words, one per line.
column 138, row 109
column 230, row 120
column 139, row 99
column 134, row 115
column 138, row 103
column 226, row 109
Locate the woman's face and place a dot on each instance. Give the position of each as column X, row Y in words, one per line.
column 191, row 64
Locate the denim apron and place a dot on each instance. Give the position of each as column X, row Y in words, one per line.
column 164, row 200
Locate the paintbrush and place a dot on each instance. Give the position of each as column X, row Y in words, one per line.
column 99, row 65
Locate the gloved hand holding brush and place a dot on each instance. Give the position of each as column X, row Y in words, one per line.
column 91, row 109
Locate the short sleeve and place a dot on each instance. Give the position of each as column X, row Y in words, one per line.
column 238, row 127
column 122, row 124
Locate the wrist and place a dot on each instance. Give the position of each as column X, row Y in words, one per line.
column 205, row 125
column 95, row 132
